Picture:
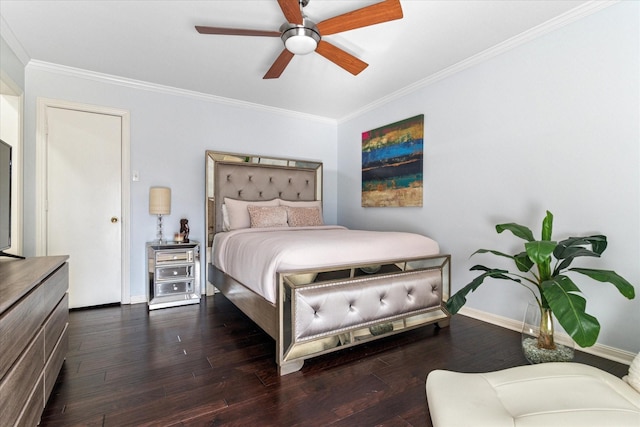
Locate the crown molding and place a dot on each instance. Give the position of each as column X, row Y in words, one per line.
column 12, row 42
column 168, row 90
column 553, row 24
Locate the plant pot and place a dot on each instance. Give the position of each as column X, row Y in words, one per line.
column 543, row 339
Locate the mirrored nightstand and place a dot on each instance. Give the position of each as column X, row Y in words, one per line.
column 173, row 274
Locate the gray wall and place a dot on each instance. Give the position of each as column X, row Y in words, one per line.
column 552, row 124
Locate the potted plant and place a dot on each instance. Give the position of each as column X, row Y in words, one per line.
column 554, row 291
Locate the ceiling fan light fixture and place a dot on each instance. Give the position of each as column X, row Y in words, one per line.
column 300, row 40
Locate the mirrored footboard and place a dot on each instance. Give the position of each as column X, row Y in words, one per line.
column 325, row 310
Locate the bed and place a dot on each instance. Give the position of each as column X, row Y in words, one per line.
column 326, row 287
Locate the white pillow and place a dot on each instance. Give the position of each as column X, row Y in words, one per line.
column 267, row 216
column 304, row 217
column 239, row 215
column 225, row 218
column 634, row 374
column 301, row 204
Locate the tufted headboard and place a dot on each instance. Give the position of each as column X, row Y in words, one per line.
column 256, row 178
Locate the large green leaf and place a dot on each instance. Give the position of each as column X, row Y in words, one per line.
column 540, row 251
column 569, row 309
column 498, row 253
column 547, row 226
column 565, row 248
column 609, row 276
column 523, row 262
column 574, row 247
column 568, row 246
column 575, row 252
column 456, row 301
column 598, row 243
column 517, row 230
column 566, row 262
column 494, row 271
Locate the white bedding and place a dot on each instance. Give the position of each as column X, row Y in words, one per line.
column 252, row 256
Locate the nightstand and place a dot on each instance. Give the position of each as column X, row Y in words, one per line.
column 173, row 274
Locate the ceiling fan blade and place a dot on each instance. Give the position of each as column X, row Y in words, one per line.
column 341, row 58
column 236, row 31
column 279, row 65
column 388, row 10
column 291, row 10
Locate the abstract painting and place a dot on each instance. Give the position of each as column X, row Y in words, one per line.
column 392, row 164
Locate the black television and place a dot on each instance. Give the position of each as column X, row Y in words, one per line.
column 5, row 199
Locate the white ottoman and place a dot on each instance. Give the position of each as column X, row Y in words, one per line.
column 548, row 394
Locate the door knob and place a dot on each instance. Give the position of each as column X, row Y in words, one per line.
column 114, row 219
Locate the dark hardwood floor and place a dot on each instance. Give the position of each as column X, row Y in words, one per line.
column 208, row 365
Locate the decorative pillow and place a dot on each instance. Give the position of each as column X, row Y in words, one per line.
column 238, row 214
column 267, row 216
column 304, row 217
column 634, row 374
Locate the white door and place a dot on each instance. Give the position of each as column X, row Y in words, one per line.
column 84, row 202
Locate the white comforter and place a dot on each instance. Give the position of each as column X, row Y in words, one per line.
column 252, row 256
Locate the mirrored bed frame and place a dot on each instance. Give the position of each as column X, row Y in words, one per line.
column 311, row 314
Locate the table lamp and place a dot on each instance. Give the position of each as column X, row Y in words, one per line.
column 160, row 204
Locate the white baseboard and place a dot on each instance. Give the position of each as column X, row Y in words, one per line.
column 138, row 299
column 599, row 350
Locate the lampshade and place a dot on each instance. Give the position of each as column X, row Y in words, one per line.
column 160, row 200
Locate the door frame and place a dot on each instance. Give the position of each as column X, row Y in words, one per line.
column 41, row 180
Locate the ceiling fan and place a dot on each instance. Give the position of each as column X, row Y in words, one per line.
column 302, row 36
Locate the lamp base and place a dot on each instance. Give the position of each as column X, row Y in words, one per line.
column 159, row 235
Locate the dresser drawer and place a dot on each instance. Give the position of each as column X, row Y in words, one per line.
column 17, row 385
column 33, row 408
column 174, row 256
column 57, row 286
column 52, row 368
column 174, row 272
column 55, row 324
column 173, row 288
column 18, row 326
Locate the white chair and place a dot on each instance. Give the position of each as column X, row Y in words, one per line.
column 548, row 394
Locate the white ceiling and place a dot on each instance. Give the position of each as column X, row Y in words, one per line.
column 155, row 41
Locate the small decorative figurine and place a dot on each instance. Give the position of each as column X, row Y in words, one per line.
column 184, row 230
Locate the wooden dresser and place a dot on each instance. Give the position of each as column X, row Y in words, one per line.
column 34, row 314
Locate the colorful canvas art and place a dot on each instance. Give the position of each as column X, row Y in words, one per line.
column 392, row 164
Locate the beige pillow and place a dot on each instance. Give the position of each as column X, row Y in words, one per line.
column 267, row 216
column 237, row 212
column 634, row 374
column 304, row 217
